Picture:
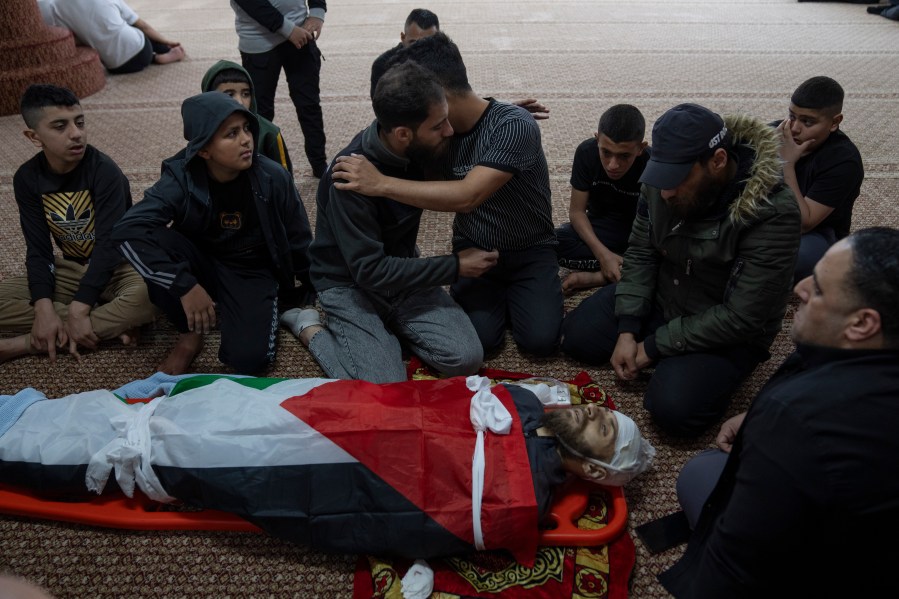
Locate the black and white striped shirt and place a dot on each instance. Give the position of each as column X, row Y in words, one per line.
column 519, row 214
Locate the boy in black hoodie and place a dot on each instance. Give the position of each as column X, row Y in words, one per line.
column 237, row 239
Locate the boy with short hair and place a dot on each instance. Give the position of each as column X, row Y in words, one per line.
column 822, row 166
column 232, row 79
column 236, row 244
column 605, row 187
column 72, row 193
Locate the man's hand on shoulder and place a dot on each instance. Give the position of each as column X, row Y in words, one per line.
column 314, row 26
column 356, row 173
column 78, row 328
column 537, row 110
column 47, row 331
column 473, row 262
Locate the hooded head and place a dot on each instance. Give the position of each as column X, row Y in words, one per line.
column 205, row 113
column 229, row 78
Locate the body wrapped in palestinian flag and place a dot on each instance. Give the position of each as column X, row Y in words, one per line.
column 343, row 466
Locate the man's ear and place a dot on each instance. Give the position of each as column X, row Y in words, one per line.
column 31, row 135
column 203, row 153
column 837, row 119
column 864, row 324
column 592, row 471
column 402, row 134
column 719, row 159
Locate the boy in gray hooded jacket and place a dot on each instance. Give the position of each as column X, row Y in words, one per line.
column 237, row 240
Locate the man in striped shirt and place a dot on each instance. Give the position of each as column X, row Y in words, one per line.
column 498, row 184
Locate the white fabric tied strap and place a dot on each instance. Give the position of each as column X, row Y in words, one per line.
column 487, row 413
column 129, row 454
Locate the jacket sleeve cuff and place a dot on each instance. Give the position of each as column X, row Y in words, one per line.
column 286, row 28
column 651, row 349
column 183, row 283
column 629, row 324
column 86, row 295
column 318, row 13
column 41, row 292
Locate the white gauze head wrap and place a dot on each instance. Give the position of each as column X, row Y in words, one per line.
column 633, row 454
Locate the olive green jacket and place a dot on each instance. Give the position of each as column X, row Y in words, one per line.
column 722, row 279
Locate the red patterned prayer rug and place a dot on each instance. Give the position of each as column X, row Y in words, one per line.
column 559, row 572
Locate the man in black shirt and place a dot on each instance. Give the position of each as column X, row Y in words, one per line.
column 420, row 23
column 806, row 479
column 822, row 166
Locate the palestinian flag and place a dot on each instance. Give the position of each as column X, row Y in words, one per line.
column 344, row 466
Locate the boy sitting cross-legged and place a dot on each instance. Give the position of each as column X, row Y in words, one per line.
column 70, row 194
column 605, row 187
column 237, row 241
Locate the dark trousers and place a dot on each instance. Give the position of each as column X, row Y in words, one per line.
column 246, row 302
column 523, row 290
column 301, row 67
column 142, row 59
column 687, row 393
column 812, row 247
column 575, row 254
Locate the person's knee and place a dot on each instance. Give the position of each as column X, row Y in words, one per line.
column 247, row 358
column 539, row 342
column 137, row 303
column 461, row 361
column 582, row 340
column 676, row 414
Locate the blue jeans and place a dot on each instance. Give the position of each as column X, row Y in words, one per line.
column 365, row 332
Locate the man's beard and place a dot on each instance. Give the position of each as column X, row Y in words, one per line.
column 563, row 428
column 428, row 158
column 697, row 203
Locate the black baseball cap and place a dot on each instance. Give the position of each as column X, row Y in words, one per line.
column 679, row 138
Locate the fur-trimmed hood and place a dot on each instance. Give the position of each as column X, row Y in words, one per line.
column 766, row 171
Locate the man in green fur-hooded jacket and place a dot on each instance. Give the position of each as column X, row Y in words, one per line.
column 707, row 273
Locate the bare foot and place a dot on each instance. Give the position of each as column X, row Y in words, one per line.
column 182, row 355
column 582, row 280
column 15, row 347
column 173, row 55
column 130, row 337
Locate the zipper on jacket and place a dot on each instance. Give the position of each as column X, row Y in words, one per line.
column 689, row 266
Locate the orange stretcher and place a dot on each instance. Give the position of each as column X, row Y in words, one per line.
column 115, row 510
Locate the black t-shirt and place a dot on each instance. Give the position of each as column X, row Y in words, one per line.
column 234, row 236
column 608, row 199
column 832, row 175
